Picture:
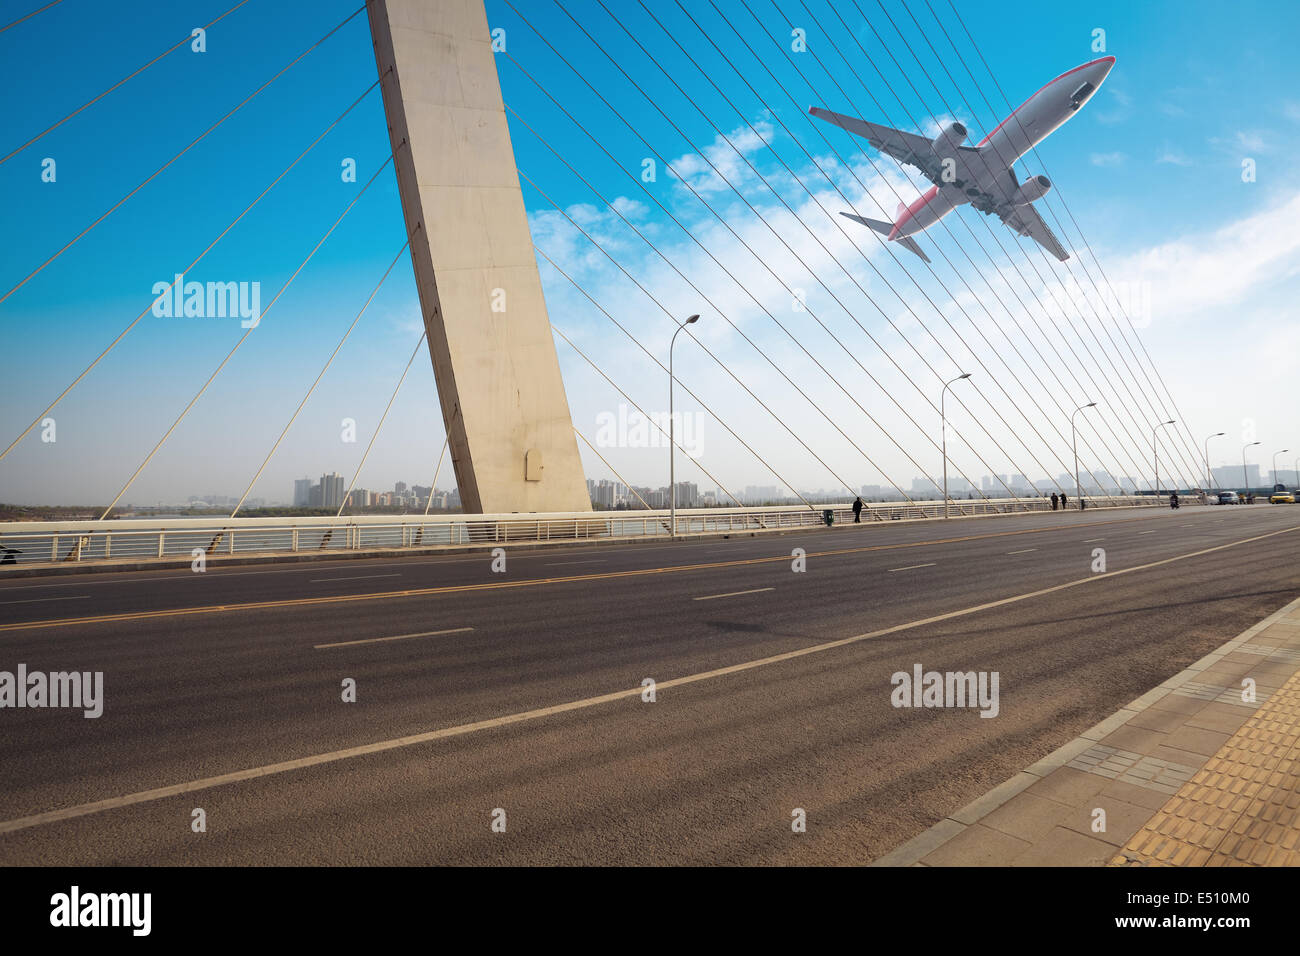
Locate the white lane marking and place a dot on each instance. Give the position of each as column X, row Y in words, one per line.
column 1023, row 551
column 560, row 564
column 71, row 597
column 357, row 577
column 1091, row 540
column 710, row 597
column 913, row 567
column 252, row 773
column 395, row 637
column 1146, row 532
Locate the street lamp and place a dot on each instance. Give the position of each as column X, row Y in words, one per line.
column 1245, row 478
column 1074, row 441
column 672, row 445
column 1209, row 476
column 1295, row 477
column 943, row 428
column 1275, row 454
column 1155, row 448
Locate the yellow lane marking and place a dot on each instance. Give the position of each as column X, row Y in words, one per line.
column 395, row 637
column 496, row 585
column 333, row 756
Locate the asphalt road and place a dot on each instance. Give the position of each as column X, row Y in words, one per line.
column 237, row 671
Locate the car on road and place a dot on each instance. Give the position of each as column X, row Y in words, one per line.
column 1229, row 498
column 1282, row 498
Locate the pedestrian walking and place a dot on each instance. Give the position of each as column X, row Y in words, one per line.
column 1055, row 501
column 857, row 510
column 1063, row 500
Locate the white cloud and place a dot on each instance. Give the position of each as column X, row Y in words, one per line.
column 1200, row 275
column 1107, row 160
column 1173, row 156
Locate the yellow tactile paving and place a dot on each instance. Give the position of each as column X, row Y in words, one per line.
column 1243, row 807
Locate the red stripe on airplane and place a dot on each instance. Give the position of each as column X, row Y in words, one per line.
column 913, row 209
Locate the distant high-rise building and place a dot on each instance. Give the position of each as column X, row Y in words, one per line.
column 332, row 487
column 1230, row 476
column 301, row 492
column 400, row 488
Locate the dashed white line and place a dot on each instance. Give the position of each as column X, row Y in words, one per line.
column 395, row 637
column 359, row 577
column 710, row 597
column 1146, row 532
column 913, row 567
column 1022, row 551
column 73, row 597
column 1091, row 540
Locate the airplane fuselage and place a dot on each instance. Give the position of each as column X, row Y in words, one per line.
column 991, row 183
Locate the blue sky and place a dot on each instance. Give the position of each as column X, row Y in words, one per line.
column 1150, row 170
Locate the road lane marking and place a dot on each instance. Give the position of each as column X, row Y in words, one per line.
column 395, row 637
column 530, row 582
column 560, row 564
column 913, row 567
column 333, row 756
column 1146, row 532
column 1091, row 540
column 710, row 597
column 358, row 577
column 1024, row 551
column 70, row 597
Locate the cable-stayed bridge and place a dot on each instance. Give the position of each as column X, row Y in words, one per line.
column 1059, row 383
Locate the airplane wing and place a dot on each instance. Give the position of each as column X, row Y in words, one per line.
column 907, row 148
column 1026, row 221
column 910, row 148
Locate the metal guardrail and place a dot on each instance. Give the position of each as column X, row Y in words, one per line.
column 38, row 543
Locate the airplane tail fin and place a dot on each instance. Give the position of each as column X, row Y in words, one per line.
column 885, row 228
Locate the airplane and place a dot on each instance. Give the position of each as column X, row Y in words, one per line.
column 981, row 175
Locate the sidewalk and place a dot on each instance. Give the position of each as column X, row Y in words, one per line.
column 1193, row 773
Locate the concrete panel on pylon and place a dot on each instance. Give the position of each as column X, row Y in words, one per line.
column 503, row 403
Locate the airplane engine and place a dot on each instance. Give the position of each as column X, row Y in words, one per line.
column 1032, row 190
column 949, row 138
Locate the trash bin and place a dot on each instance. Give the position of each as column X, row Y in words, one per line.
column 829, row 517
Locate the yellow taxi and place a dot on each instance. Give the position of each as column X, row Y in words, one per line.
column 1282, row 498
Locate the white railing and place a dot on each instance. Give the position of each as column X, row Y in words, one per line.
column 41, row 543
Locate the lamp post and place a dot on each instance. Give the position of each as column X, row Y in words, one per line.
column 1209, row 476
column 672, row 443
column 1245, row 478
column 1295, row 477
column 943, row 428
column 1074, row 441
column 1155, row 448
column 1275, row 454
